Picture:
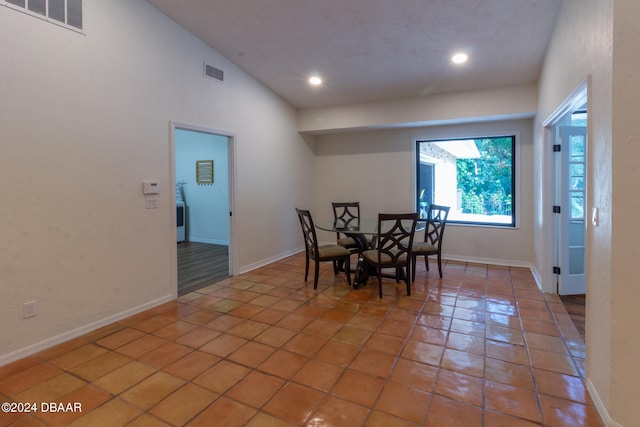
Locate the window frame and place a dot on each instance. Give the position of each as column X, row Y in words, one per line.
column 46, row 15
column 515, row 180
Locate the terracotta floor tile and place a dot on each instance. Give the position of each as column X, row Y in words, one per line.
column 165, row 354
column 545, row 342
column 270, row 316
column 322, row 328
column 463, row 362
column 140, row 346
column 174, row 330
column 99, row 366
column 424, row 353
column 404, row 402
column 223, row 413
column 358, row 387
column 275, row 336
column 116, row 412
column 221, row 376
column 496, row 419
column 152, row 390
column 414, row 374
column 507, row 352
column 198, row 337
column 435, row 321
column 200, row 317
column 352, row 336
column 459, row 387
column 248, row 329
column 65, row 347
column 224, row 322
column 283, row 363
column 183, row 404
column 318, row 374
column 89, row 398
column 380, row 419
column 504, row 334
column 23, row 380
column 124, row 377
column 294, row 403
column 251, row 354
column 262, row 419
column 396, row 328
column 559, row 412
column 365, row 321
column 441, row 410
column 153, row 323
column 223, row 345
column 191, row 365
column 255, row 389
column 385, row 343
column 550, row 361
column 50, row 390
column 429, row 335
column 562, row 386
column 470, row 328
column 373, row 362
column 246, row 311
column 468, row 343
column 305, row 344
column 120, row 338
column 146, row 420
column 337, row 353
column 78, row 356
column 335, row 412
column 512, row 400
column 509, row 373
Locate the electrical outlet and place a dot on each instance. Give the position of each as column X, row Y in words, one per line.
column 29, row 309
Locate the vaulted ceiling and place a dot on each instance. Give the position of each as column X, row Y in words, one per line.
column 372, row 50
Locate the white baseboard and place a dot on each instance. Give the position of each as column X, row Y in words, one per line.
column 602, row 410
column 267, row 261
column 74, row 333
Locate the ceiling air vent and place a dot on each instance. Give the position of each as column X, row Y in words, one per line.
column 213, row 72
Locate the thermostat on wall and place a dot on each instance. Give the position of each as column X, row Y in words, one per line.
column 150, row 187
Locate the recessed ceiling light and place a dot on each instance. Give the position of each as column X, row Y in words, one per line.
column 459, row 58
column 315, row 81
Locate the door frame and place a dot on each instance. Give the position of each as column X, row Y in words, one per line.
column 231, row 138
column 575, row 100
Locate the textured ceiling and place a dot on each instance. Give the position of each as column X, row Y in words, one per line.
column 370, row 50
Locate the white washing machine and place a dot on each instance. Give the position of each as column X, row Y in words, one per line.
column 180, row 222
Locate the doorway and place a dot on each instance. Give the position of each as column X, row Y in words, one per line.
column 203, row 178
column 568, row 138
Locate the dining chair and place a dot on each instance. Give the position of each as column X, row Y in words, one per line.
column 321, row 253
column 433, row 238
column 346, row 212
column 393, row 246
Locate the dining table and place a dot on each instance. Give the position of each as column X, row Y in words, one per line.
column 363, row 231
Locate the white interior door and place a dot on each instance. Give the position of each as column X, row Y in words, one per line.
column 571, row 219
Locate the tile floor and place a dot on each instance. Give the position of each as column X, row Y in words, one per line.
column 481, row 347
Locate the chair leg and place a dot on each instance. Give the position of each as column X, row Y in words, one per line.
column 426, row 261
column 315, row 276
column 440, row 265
column 380, row 281
column 306, row 268
column 347, row 270
column 413, row 269
column 408, row 279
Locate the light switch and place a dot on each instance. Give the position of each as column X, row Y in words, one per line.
column 150, row 187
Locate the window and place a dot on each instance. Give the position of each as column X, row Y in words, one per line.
column 67, row 13
column 474, row 176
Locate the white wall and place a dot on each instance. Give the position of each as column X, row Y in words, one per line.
column 84, row 119
column 377, row 168
column 597, row 40
column 207, row 218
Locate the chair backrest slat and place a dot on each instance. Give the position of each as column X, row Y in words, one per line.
column 436, row 220
column 395, row 236
column 308, row 231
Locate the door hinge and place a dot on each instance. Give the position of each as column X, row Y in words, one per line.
column 557, row 148
column 556, row 209
column 556, row 270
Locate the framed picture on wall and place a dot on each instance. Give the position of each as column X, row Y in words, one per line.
column 204, row 171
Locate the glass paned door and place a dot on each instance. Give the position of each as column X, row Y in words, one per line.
column 572, row 218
